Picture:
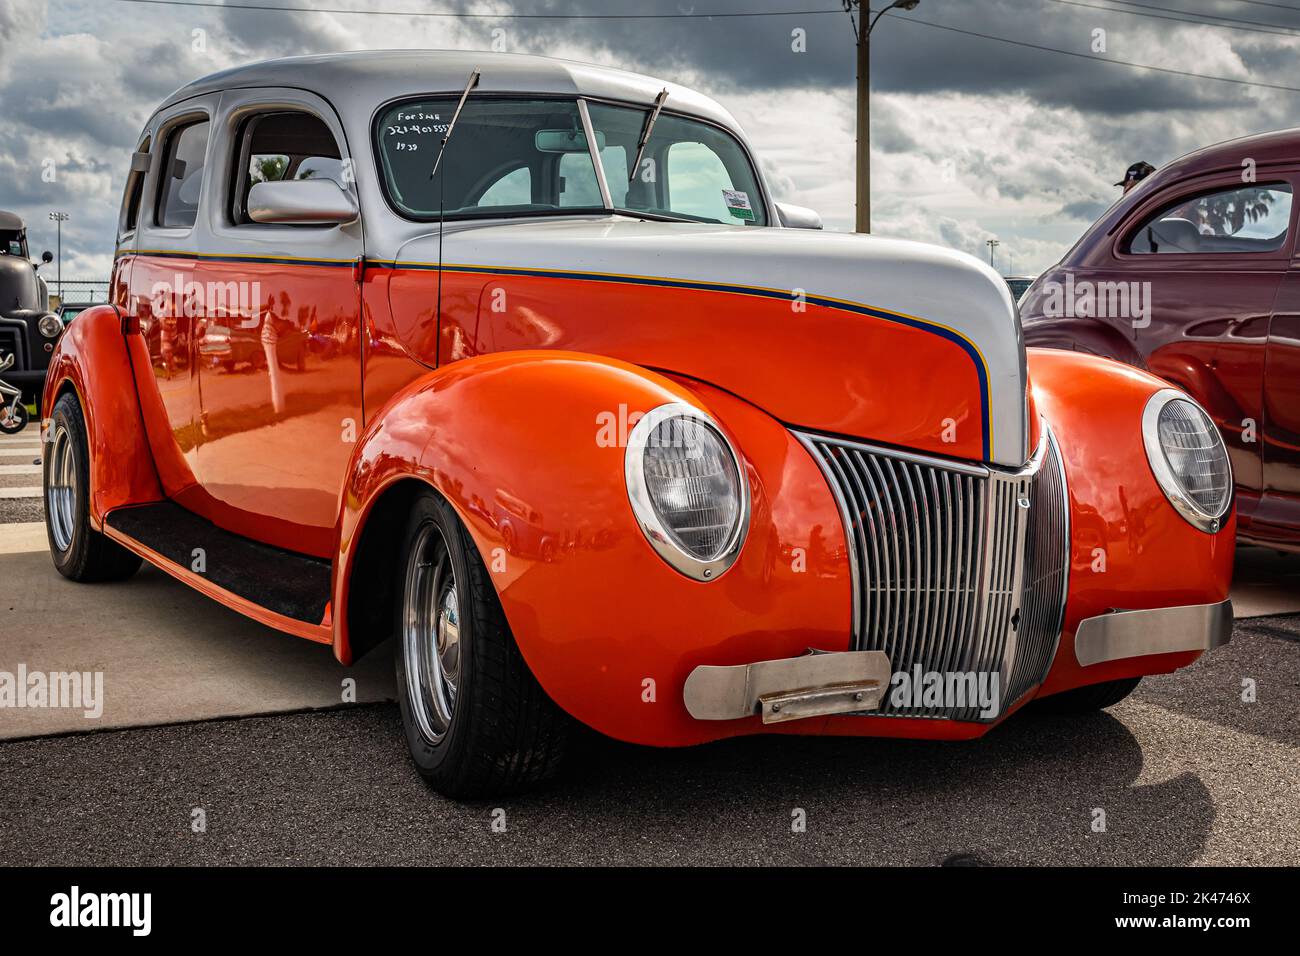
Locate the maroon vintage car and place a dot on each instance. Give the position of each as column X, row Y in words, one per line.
column 1192, row 276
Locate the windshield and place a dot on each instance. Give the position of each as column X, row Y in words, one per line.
column 506, row 157
column 512, row 157
column 688, row 169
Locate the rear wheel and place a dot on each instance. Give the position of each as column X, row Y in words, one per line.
column 79, row 551
column 477, row 722
column 1082, row 700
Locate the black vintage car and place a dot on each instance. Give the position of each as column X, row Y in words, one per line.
column 28, row 329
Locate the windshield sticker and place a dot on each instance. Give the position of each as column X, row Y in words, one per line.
column 738, row 203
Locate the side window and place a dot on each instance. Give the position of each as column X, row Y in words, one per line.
column 515, row 188
column 1242, row 219
column 182, row 175
column 133, row 194
column 278, row 146
column 694, row 172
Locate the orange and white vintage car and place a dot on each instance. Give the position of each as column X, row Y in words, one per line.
column 518, row 362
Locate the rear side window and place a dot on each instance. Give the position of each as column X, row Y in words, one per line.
column 182, row 176
column 515, row 188
column 1242, row 219
column 134, row 193
column 279, row 146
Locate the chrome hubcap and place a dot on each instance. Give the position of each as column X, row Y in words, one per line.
column 61, row 489
column 431, row 633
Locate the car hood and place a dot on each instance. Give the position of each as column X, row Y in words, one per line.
column 881, row 339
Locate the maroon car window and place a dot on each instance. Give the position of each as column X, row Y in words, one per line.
column 1241, row 219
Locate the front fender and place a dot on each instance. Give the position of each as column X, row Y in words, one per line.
column 1130, row 550
column 528, row 448
column 1092, row 336
column 92, row 358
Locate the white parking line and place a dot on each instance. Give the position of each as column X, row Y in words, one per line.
column 34, row 492
column 20, row 447
column 23, row 536
column 20, row 469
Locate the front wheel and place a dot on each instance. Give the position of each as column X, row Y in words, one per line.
column 477, row 723
column 13, row 418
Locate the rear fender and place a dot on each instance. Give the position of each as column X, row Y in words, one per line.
column 92, row 359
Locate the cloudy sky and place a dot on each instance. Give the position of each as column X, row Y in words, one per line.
column 972, row 137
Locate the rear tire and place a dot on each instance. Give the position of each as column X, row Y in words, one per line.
column 477, row 723
column 1090, row 698
column 79, row 551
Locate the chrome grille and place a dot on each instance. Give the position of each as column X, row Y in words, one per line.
column 957, row 568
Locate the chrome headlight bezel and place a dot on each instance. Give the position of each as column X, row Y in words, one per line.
column 647, row 517
column 1168, row 480
column 50, row 325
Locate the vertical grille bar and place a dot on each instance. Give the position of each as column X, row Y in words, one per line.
column 953, row 573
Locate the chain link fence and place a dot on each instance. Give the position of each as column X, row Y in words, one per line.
column 80, row 291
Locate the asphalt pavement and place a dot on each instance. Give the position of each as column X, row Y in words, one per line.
column 208, row 712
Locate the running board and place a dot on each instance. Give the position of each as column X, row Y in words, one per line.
column 282, row 589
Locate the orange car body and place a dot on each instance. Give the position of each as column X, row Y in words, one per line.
column 518, row 416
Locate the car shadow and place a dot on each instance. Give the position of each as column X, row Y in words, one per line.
column 1033, row 791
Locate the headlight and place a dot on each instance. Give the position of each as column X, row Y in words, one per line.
column 688, row 490
column 50, row 326
column 1188, row 458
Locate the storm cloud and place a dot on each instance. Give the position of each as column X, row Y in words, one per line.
column 973, row 137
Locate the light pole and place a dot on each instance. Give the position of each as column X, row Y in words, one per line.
column 992, row 244
column 863, row 34
column 59, row 218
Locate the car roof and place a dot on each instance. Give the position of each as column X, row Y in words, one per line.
column 376, row 76
column 11, row 222
column 1265, row 149
column 1279, row 147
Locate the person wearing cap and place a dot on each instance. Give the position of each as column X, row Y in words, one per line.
column 1135, row 174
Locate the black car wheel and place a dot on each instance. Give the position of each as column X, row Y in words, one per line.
column 477, row 722
column 79, row 551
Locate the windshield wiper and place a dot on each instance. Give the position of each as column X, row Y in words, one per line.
column 473, row 82
column 645, row 134
column 442, row 183
column 644, row 214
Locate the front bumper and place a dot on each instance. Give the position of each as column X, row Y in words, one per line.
column 1165, row 630
column 814, row 685
column 820, row 683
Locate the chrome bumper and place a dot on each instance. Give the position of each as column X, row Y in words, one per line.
column 1165, row 630
column 816, row 684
